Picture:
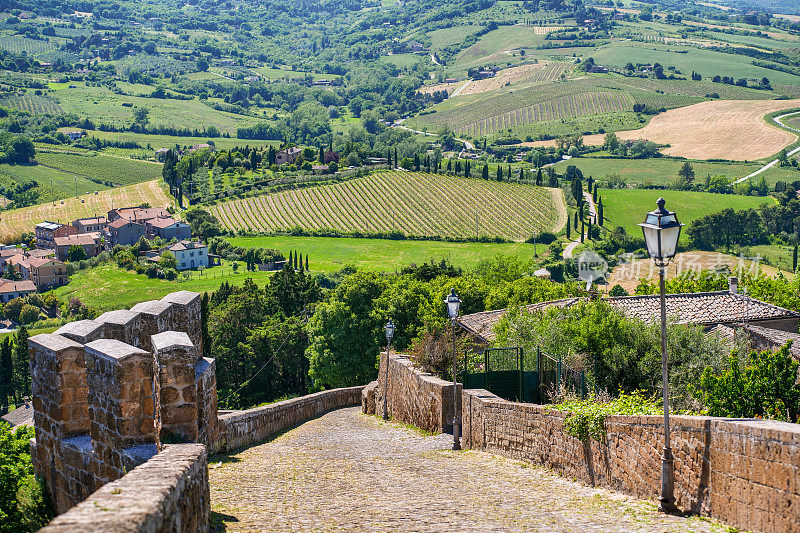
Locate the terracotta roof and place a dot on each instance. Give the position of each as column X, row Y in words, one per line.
column 702, row 308
column 92, row 220
column 776, row 337
column 10, row 252
column 17, row 286
column 37, row 262
column 21, row 415
column 120, row 222
column 40, row 252
column 162, row 222
column 84, row 239
column 186, row 245
column 482, row 324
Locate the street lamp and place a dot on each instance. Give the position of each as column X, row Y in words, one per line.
column 389, row 329
column 661, row 233
column 453, row 304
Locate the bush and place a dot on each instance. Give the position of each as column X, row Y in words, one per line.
column 13, row 308
column 617, row 290
column 170, row 274
column 29, row 314
column 587, row 418
column 23, row 498
column 433, row 351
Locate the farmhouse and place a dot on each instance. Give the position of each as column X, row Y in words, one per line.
column 46, row 233
column 189, row 254
column 138, row 214
column 6, row 253
column 90, row 225
column 167, row 228
column 125, row 232
column 287, row 156
column 45, row 273
column 90, row 242
column 15, row 289
column 74, row 135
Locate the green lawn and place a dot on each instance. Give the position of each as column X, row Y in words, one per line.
column 328, row 254
column 664, row 171
column 627, row 207
column 108, row 287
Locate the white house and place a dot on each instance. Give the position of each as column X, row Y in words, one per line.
column 189, row 254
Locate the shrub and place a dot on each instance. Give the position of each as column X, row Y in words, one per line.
column 23, row 498
column 587, row 417
column 13, row 308
column 433, row 351
column 617, row 290
column 29, row 314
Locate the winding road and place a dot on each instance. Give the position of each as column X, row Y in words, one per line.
column 570, row 248
column 779, row 121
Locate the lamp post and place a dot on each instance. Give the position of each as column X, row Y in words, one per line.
column 453, row 304
column 389, row 329
column 661, row 233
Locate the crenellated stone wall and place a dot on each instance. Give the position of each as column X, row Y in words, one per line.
column 107, row 391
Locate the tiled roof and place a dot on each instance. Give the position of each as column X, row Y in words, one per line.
column 21, row 415
column 702, row 308
column 36, row 262
column 89, row 221
column 776, row 337
column 186, row 245
column 17, row 286
column 120, row 222
column 84, row 239
column 482, row 324
column 162, row 222
column 40, row 252
column 9, row 252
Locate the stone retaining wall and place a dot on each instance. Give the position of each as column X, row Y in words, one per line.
column 414, row 397
column 744, row 472
column 168, row 493
column 245, row 428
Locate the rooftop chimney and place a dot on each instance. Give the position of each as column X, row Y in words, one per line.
column 733, row 284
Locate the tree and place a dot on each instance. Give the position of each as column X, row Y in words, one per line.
column 22, row 374
column 20, row 151
column 794, row 258
column 76, row 253
column 202, row 64
column 6, row 373
column 140, row 116
column 29, row 314
column 485, row 172
column 600, row 211
column 499, row 173
column 235, row 267
column 167, row 260
column 685, row 176
column 23, row 504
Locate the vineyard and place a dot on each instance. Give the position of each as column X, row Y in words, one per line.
column 13, row 223
column 31, row 103
column 412, row 203
column 18, row 45
column 117, row 170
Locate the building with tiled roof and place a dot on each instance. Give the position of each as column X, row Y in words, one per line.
column 47, row 231
column 125, row 232
column 45, row 273
column 168, row 228
column 137, row 214
column 90, row 242
column 189, row 254
column 22, row 415
column 706, row 309
column 15, row 289
column 90, row 225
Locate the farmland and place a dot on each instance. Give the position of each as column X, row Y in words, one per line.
column 14, row 222
column 53, row 184
column 117, row 170
column 627, row 207
column 19, row 44
column 32, row 103
column 412, row 203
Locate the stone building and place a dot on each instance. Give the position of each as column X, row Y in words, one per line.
column 108, row 392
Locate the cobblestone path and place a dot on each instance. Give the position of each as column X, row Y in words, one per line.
column 346, row 471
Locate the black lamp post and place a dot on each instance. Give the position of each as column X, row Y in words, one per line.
column 389, row 329
column 453, row 304
column 661, row 233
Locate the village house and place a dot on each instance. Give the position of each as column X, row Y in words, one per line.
column 45, row 273
column 6, row 253
column 90, row 242
column 15, row 289
column 189, row 254
column 46, row 233
column 74, row 135
column 90, row 225
column 167, row 228
column 125, row 232
column 137, row 214
column 287, row 156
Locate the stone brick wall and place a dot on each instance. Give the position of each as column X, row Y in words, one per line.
column 245, row 428
column 744, row 472
column 414, row 397
column 107, row 390
column 168, row 493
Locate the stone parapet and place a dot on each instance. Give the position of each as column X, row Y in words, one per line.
column 244, row 428
column 176, row 358
column 414, row 397
column 744, row 472
column 168, row 493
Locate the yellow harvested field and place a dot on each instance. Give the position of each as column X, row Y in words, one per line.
column 524, row 74
column 719, row 129
column 589, row 140
column 449, row 87
column 15, row 222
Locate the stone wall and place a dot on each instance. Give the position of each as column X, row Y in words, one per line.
column 106, row 391
column 744, row 472
column 168, row 493
column 414, row 397
column 245, row 428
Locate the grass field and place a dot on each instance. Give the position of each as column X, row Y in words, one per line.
column 53, row 184
column 168, row 141
column 32, row 103
column 118, row 170
column 627, row 207
column 329, row 254
column 413, row 203
column 664, row 171
column 453, row 35
column 14, row 222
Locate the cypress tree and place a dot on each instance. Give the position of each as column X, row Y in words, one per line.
column 389, row 158
column 467, row 168
column 576, row 220
column 594, row 194
column 449, row 165
column 396, row 161
column 6, row 373
column 600, row 212
column 306, row 262
column 568, row 227
column 581, row 209
column 321, row 155
column 583, row 230
column 521, row 175
column 794, row 259
column 21, row 368
column 539, row 177
column 509, row 173
column 589, row 229
column 499, row 173
column 416, row 162
column 302, row 266
column 485, row 172
column 295, row 260
column 290, row 259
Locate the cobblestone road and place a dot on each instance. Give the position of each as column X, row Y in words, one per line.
column 349, row 472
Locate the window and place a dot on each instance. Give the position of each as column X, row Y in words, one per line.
column 200, row 252
column 183, row 264
column 191, row 254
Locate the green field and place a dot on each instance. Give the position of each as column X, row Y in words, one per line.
column 53, row 184
column 329, row 254
column 452, row 35
column 627, row 207
column 405, row 60
column 412, row 203
column 117, row 170
column 664, row 171
column 169, row 141
column 32, row 103
column 687, row 59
